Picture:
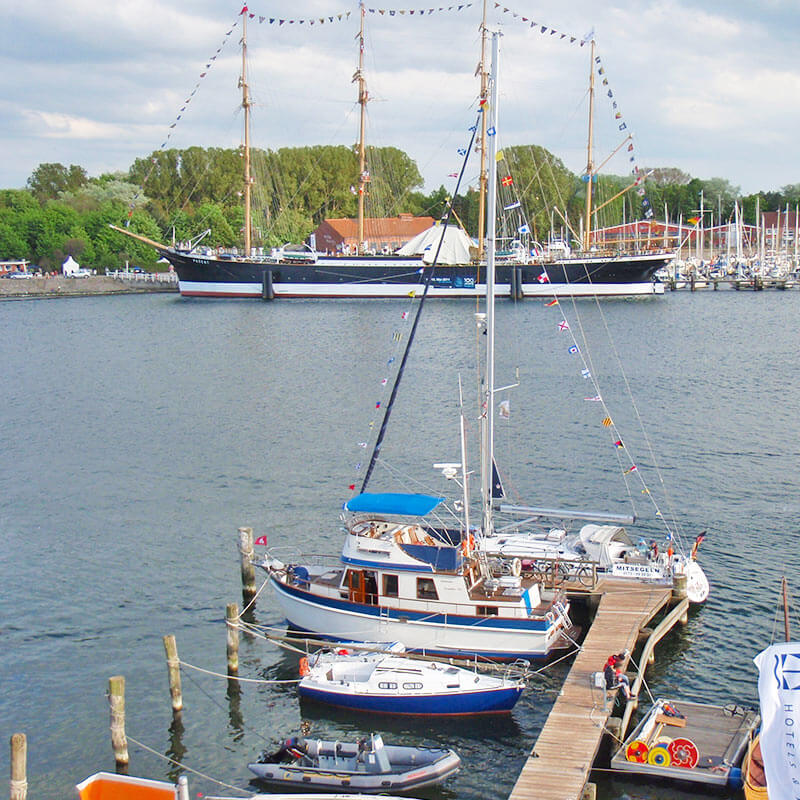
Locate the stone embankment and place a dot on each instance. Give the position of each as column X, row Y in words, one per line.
column 62, row 286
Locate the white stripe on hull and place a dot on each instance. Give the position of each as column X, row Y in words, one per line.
column 415, row 634
column 356, row 290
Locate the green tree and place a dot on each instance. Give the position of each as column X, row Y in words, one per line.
column 48, row 180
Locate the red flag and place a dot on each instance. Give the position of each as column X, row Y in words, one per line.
column 262, row 540
column 507, row 181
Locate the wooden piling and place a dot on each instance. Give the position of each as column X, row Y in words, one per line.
column 589, row 792
column 247, row 554
column 19, row 760
column 174, row 673
column 232, row 624
column 116, row 702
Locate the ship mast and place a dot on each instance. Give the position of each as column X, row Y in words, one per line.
column 483, row 176
column 363, row 97
column 246, row 106
column 491, row 223
column 587, row 214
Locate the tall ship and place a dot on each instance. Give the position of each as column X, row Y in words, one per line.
column 524, row 268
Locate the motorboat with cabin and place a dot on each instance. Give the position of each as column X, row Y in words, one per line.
column 403, row 578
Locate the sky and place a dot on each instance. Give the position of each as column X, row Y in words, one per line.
column 711, row 88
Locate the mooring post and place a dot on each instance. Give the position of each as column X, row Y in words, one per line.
column 116, row 702
column 183, row 787
column 19, row 760
column 232, row 624
column 680, row 592
column 174, row 673
column 589, row 792
column 247, row 554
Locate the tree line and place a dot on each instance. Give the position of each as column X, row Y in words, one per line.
column 176, row 195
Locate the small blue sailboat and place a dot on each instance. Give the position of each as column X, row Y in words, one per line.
column 391, row 683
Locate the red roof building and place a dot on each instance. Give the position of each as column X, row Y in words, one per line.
column 382, row 235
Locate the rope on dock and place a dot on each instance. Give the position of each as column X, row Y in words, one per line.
column 236, row 677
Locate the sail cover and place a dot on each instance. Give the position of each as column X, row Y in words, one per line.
column 455, row 247
column 412, row 505
column 779, row 696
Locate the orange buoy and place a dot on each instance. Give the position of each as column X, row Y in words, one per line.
column 304, row 668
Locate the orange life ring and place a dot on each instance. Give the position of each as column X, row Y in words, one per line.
column 637, row 752
column 304, row 668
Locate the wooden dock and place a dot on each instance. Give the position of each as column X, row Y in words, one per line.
column 561, row 760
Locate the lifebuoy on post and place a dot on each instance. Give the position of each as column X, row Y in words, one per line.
column 516, row 568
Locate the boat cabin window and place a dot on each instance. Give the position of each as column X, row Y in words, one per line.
column 387, row 685
column 487, row 611
column 390, row 586
column 412, row 685
column 426, row 589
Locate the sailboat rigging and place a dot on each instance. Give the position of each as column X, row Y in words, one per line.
column 425, row 583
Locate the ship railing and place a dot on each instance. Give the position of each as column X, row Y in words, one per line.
column 554, row 573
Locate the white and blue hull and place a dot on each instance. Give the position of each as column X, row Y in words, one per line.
column 487, row 701
column 457, row 634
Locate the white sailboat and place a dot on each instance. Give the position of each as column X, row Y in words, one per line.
column 410, row 568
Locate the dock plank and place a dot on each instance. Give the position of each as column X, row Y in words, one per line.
column 559, row 764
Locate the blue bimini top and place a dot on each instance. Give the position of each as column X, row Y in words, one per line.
column 411, row 505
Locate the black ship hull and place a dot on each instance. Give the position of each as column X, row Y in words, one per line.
column 392, row 276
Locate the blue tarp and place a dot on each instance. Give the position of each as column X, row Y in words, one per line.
column 412, row 505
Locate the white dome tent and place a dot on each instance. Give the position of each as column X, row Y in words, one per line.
column 455, row 247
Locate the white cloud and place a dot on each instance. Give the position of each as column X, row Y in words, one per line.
column 701, row 86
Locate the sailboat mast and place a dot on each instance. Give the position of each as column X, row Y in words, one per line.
column 483, row 177
column 363, row 177
column 491, row 225
column 246, row 106
column 786, row 630
column 587, row 215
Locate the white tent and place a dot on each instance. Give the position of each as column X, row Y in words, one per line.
column 70, row 266
column 455, row 247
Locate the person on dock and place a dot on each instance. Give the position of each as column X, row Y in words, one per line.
column 614, row 675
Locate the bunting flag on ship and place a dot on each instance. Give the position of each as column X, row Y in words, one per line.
column 546, row 30
column 209, row 64
column 329, row 19
column 622, row 125
column 630, row 468
column 620, row 121
column 419, row 12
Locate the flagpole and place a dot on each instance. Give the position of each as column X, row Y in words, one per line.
column 363, row 97
column 587, row 218
column 246, row 106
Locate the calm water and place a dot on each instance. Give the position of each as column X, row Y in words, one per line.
column 138, row 433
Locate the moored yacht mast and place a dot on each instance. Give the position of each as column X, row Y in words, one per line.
column 363, row 97
column 587, row 215
column 482, row 100
column 246, row 106
column 491, row 224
